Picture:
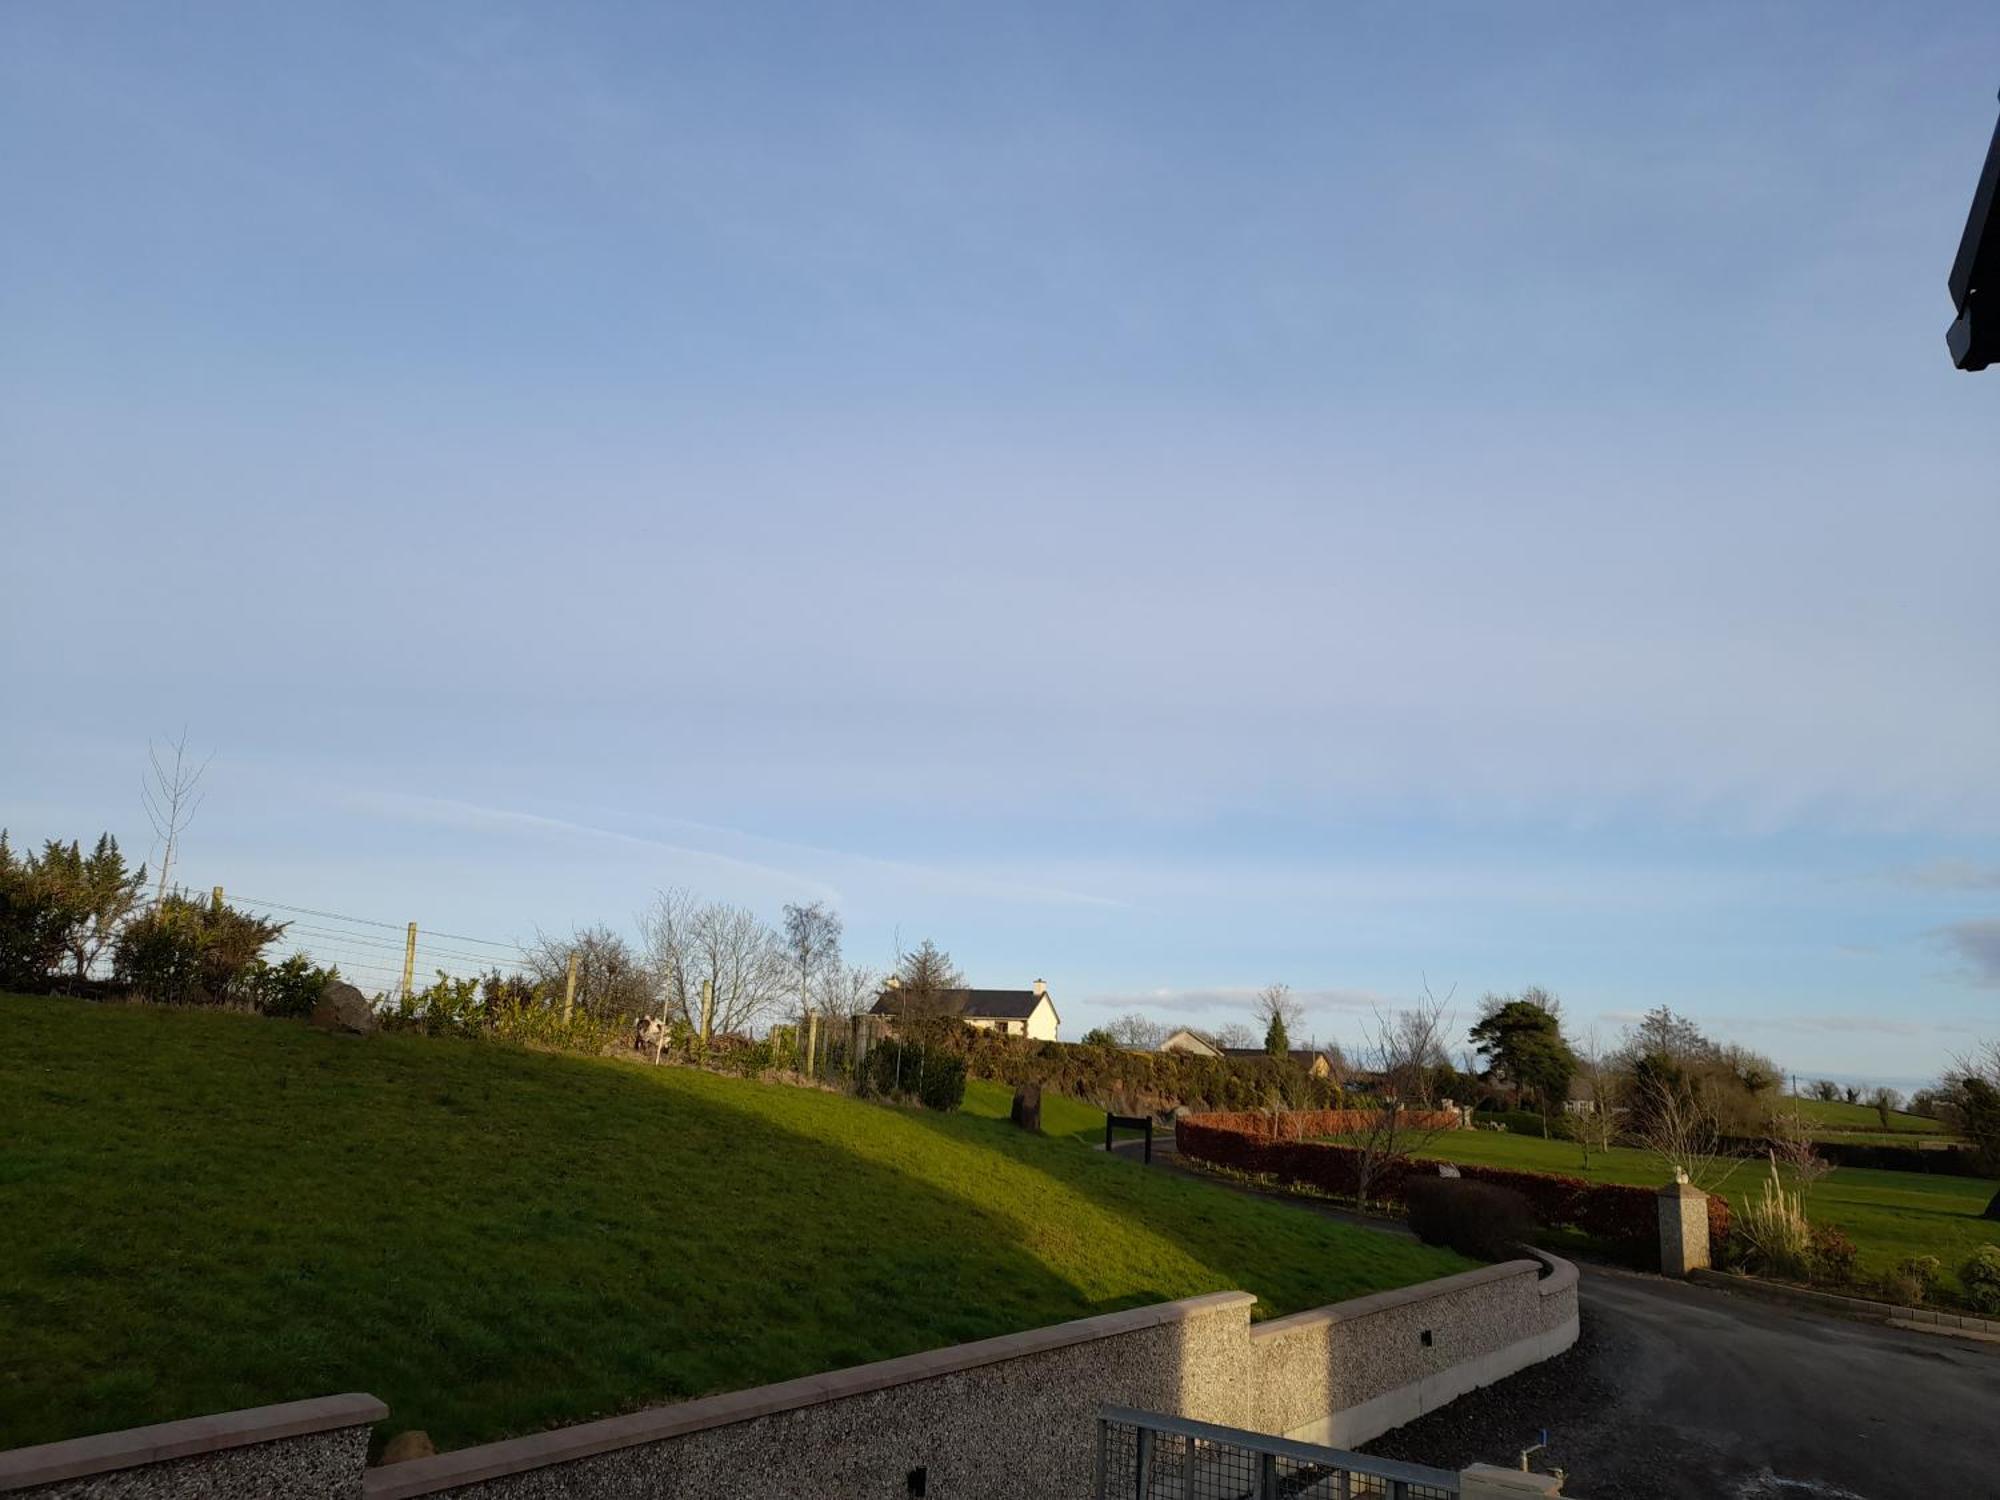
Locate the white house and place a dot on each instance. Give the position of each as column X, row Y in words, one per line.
column 1184, row 1040
column 1029, row 1013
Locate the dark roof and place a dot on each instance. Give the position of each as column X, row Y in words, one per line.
column 997, row 1005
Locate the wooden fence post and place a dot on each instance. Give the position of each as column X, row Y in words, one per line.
column 569, row 989
column 409, row 960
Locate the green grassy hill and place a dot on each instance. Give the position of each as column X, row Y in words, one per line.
column 202, row 1211
column 1838, row 1119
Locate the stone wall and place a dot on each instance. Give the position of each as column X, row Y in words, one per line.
column 1006, row 1417
column 316, row 1450
column 1015, row 1416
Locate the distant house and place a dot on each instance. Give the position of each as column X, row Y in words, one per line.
column 1029, row 1013
column 1315, row 1062
column 1582, row 1098
column 1191, row 1042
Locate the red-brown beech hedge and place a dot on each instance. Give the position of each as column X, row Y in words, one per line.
column 1270, row 1146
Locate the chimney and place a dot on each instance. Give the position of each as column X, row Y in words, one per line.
column 1041, row 990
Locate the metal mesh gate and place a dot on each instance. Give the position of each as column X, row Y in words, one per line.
column 1142, row 1456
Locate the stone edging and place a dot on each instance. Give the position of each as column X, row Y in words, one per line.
column 192, row 1437
column 467, row 1466
column 1921, row 1318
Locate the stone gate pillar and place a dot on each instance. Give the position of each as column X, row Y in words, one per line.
column 1683, row 1228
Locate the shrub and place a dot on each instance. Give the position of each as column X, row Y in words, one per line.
column 1980, row 1276
column 287, row 990
column 533, row 1024
column 444, row 1007
column 1775, row 1238
column 1474, row 1218
column 942, row 1086
column 933, row 1076
column 1518, row 1122
column 1831, row 1256
column 186, row 952
column 1915, row 1280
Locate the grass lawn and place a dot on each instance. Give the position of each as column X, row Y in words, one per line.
column 1889, row 1215
column 202, row 1211
column 1061, row 1115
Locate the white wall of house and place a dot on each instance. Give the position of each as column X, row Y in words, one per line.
column 1043, row 1023
column 1187, row 1041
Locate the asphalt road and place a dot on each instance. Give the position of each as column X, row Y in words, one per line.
column 1680, row 1390
column 1686, row 1390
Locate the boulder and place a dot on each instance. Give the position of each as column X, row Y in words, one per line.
column 342, row 1007
column 1027, row 1110
column 405, row 1446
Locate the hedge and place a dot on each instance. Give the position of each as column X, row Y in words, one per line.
column 1142, row 1082
column 1944, row 1161
column 1627, row 1217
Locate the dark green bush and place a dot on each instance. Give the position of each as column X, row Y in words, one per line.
column 287, row 990
column 444, row 1007
column 1980, row 1276
column 1478, row 1219
column 1517, row 1121
column 185, row 952
column 34, row 921
column 934, row 1076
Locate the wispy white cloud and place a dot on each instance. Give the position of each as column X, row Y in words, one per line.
column 1237, row 999
column 1950, row 875
column 804, row 866
column 1977, row 944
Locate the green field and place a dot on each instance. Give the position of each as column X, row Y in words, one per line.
column 204, row 1211
column 1889, row 1215
column 1843, row 1121
column 1061, row 1115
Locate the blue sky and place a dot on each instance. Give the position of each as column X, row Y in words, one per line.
column 1163, row 498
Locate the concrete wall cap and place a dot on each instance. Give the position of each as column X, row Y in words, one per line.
column 1681, row 1190
column 77, row 1458
column 448, row 1471
column 1375, row 1303
column 1561, row 1273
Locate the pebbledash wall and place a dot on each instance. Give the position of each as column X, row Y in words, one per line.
column 1003, row 1417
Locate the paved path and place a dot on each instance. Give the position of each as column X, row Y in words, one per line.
column 1688, row 1390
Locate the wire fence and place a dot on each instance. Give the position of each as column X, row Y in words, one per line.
column 379, row 956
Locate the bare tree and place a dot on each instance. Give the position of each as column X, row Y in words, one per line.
column 171, row 792
column 1236, row 1035
column 1676, row 1119
column 611, row 980
column 1597, row 1127
column 849, row 991
column 1790, row 1146
column 714, row 966
column 1279, row 1015
column 1140, row 1033
column 1410, row 1065
column 812, row 944
column 1402, row 1049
